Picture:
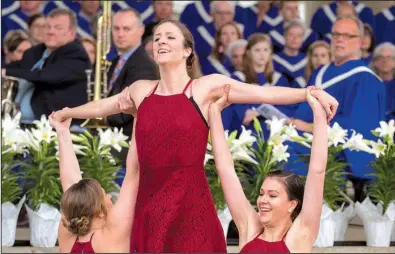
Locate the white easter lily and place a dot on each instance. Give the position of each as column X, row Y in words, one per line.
column 114, row 138
column 242, row 154
column 279, row 154
column 245, row 139
column 207, row 157
column 337, row 135
column 276, row 125
column 378, row 148
column 386, row 129
column 356, row 142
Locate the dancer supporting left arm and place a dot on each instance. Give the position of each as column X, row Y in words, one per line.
column 281, row 206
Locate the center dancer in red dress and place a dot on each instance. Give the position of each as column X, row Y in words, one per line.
column 174, row 210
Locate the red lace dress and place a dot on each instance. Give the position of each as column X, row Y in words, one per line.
column 174, row 210
column 82, row 247
column 258, row 245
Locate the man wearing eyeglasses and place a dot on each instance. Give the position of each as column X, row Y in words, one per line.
column 361, row 96
column 52, row 73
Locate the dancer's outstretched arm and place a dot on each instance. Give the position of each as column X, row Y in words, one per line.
column 68, row 164
column 309, row 217
column 242, row 211
column 246, row 93
column 120, row 219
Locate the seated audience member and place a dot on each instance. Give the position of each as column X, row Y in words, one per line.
column 325, row 16
column 235, row 53
column 289, row 11
column 218, row 61
column 383, row 64
column 290, row 61
column 319, row 54
column 382, row 19
column 263, row 16
column 368, row 44
column 15, row 44
column 90, row 48
column 54, row 71
column 36, row 24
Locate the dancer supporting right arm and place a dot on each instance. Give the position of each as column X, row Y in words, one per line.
column 86, row 209
column 288, row 211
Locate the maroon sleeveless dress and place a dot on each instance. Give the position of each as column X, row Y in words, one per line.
column 82, row 247
column 175, row 211
column 260, row 245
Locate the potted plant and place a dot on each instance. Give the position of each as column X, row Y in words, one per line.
column 44, row 192
column 335, row 215
column 378, row 220
column 239, row 148
column 12, row 146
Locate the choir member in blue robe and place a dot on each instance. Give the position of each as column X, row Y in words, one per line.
column 368, row 44
column 325, row 16
column 143, row 7
column 258, row 69
column 389, row 35
column 218, row 61
column 382, row 19
column 289, row 11
column 361, row 97
column 73, row 5
column 8, row 7
column 263, row 16
column 200, row 11
column 17, row 20
column 383, row 64
column 85, row 17
column 222, row 13
column 318, row 54
column 291, row 62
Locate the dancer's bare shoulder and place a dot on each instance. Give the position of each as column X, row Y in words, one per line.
column 141, row 89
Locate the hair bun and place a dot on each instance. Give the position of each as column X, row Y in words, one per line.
column 78, row 226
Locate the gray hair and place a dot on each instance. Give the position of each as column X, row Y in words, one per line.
column 359, row 23
column 377, row 54
column 234, row 45
column 213, row 5
column 295, row 23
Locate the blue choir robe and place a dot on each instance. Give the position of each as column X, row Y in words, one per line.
column 367, row 59
column 15, row 21
column 271, row 20
column 240, row 109
column 71, row 5
column 361, row 97
column 382, row 19
column 389, row 35
column 292, row 67
column 84, row 26
column 278, row 40
column 204, row 36
column 200, row 11
column 143, row 7
column 325, row 16
column 8, row 7
column 390, row 99
column 210, row 65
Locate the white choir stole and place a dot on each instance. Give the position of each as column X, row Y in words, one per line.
column 269, row 111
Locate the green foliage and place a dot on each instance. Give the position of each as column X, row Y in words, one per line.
column 335, row 178
column 10, row 190
column 97, row 163
column 382, row 187
column 42, row 175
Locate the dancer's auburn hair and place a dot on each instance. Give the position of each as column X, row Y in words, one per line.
column 80, row 204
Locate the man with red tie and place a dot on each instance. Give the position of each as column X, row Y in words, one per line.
column 131, row 64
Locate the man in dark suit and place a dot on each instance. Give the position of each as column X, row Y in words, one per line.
column 132, row 63
column 53, row 73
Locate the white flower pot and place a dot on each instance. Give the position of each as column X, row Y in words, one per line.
column 44, row 225
column 9, row 219
column 378, row 228
column 326, row 234
column 342, row 217
column 225, row 218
